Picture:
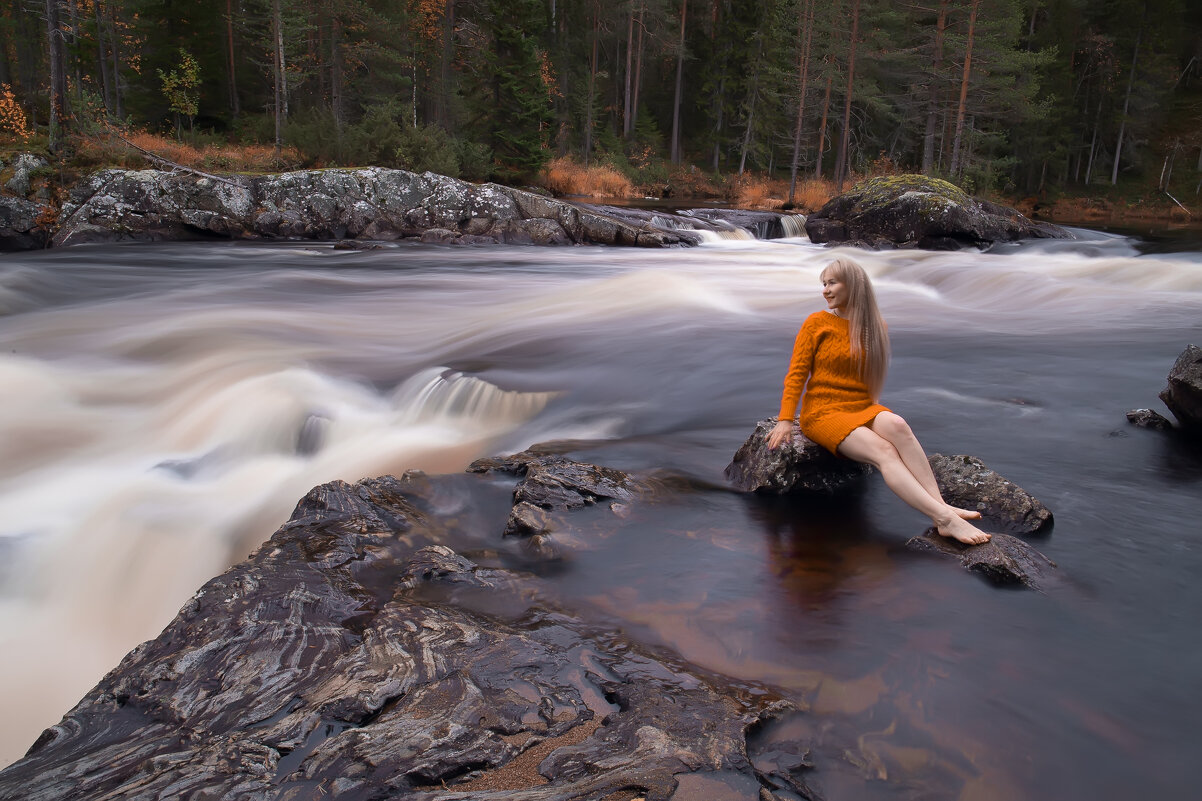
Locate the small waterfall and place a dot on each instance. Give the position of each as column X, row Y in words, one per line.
column 439, row 393
column 724, row 234
column 794, row 225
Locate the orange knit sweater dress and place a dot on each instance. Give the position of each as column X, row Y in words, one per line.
column 837, row 400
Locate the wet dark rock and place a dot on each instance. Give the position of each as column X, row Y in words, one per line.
column 1003, row 560
column 1148, row 418
column 686, row 223
column 798, row 465
column 917, row 211
column 966, row 482
column 551, row 484
column 367, row 204
column 337, row 661
column 19, row 228
column 1183, row 395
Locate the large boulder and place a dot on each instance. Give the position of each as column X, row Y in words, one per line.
column 917, row 211
column 25, row 211
column 373, row 203
column 798, row 465
column 348, row 658
column 1183, row 395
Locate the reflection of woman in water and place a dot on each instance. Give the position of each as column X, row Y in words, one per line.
column 839, row 361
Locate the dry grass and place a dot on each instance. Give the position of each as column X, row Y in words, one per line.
column 563, row 176
column 110, row 150
column 760, row 192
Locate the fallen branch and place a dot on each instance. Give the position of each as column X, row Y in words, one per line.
column 173, row 165
column 1178, row 202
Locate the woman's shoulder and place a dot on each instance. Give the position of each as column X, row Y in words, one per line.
column 819, row 319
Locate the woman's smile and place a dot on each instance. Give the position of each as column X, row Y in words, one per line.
column 835, row 292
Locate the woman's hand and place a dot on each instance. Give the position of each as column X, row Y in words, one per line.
column 780, row 432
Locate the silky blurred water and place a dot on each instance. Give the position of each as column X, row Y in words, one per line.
column 163, row 407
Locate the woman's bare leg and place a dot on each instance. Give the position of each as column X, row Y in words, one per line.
column 865, row 445
column 896, row 431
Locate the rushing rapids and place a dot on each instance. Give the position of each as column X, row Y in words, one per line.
column 164, row 407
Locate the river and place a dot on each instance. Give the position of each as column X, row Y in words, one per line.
column 164, row 406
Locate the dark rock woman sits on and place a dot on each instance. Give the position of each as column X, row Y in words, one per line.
column 840, row 358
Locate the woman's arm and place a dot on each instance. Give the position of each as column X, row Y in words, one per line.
column 795, row 381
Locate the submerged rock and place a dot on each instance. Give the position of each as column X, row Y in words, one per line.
column 1183, row 395
column 337, row 661
column 1002, row 560
column 551, row 484
column 798, row 465
column 1149, row 418
column 966, row 482
column 918, row 211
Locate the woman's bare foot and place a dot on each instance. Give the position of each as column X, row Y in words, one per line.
column 966, row 514
column 956, row 528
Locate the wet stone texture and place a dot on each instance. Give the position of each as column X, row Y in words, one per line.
column 335, row 662
column 1183, row 395
column 798, row 465
column 1004, row 560
column 966, row 482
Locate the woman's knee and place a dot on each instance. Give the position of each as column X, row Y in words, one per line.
column 866, row 445
column 892, row 427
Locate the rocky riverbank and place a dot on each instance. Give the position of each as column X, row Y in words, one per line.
column 352, row 656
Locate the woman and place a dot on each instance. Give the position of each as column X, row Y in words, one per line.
column 839, row 360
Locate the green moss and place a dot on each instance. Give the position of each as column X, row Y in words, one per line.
column 882, row 190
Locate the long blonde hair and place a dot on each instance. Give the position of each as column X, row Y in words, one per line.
column 866, row 328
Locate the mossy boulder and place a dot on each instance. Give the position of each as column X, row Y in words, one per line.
column 917, row 211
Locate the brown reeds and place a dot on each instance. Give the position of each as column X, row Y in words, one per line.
column 564, row 176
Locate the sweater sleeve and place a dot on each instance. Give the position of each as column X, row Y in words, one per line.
column 799, row 371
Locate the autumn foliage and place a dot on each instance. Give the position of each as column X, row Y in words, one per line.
column 12, row 117
column 563, row 176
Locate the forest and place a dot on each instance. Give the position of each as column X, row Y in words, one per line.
column 1019, row 97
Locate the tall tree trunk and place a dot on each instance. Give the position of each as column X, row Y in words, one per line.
column 627, row 96
column 721, row 96
column 826, row 108
column 235, row 106
column 684, row 8
column 807, row 25
column 448, row 56
column 1118, row 148
column 280, row 87
column 115, row 38
column 101, row 65
column 932, row 121
column 336, row 79
column 58, row 74
column 638, row 70
column 841, row 161
column 76, row 66
column 957, row 167
column 592, row 83
column 755, row 81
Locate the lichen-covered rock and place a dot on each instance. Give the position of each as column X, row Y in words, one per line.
column 339, row 662
column 17, row 172
column 1002, row 560
column 917, row 211
column 371, row 203
column 1149, row 418
column 966, row 482
column 1183, row 395
column 798, row 465
column 19, row 228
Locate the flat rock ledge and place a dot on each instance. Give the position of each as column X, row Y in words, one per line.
column 339, row 662
column 798, row 465
column 1004, row 560
column 917, row 211
column 364, row 204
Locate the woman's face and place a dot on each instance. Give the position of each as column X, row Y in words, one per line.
column 835, row 292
